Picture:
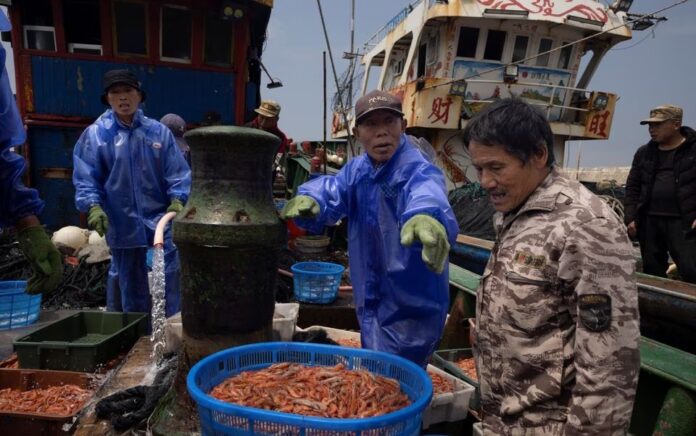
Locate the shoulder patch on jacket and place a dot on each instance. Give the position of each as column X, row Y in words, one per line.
column 594, row 311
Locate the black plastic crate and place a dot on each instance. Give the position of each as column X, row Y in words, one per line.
column 80, row 342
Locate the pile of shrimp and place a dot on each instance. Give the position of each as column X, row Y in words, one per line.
column 468, row 365
column 441, row 384
column 352, row 343
column 63, row 400
column 330, row 392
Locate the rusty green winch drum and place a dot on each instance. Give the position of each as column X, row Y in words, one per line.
column 229, row 234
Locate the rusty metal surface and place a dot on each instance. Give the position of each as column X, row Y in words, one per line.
column 674, row 287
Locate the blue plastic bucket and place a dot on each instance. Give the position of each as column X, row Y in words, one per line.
column 17, row 308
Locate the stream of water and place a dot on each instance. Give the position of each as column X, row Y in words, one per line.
column 158, row 305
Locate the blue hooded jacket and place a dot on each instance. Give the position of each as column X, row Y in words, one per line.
column 132, row 172
column 16, row 200
column 401, row 304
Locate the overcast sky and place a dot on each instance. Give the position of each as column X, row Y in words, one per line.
column 657, row 66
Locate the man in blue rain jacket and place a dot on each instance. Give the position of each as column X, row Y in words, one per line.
column 393, row 196
column 129, row 171
column 19, row 205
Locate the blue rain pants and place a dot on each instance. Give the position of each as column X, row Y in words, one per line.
column 133, row 173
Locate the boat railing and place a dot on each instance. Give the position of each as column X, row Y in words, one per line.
column 391, row 24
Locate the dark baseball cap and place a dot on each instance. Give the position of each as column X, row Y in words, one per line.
column 175, row 123
column 375, row 100
column 120, row 77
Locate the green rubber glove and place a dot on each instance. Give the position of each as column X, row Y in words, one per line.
column 302, row 206
column 432, row 235
column 44, row 258
column 97, row 220
column 175, row 206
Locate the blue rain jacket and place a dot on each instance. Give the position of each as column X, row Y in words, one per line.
column 16, row 200
column 401, row 305
column 132, row 172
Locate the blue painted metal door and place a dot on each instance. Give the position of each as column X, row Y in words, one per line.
column 51, row 173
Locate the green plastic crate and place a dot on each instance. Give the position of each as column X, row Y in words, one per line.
column 80, row 342
column 445, row 359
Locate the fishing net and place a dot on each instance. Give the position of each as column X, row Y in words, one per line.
column 473, row 211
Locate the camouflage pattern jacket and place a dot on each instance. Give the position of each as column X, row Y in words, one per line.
column 557, row 318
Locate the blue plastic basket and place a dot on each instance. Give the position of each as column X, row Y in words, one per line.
column 280, row 203
column 316, row 282
column 17, row 308
column 221, row 418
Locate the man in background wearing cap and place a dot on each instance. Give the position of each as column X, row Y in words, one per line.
column 660, row 202
column 267, row 120
column 178, row 127
column 399, row 226
column 19, row 205
column 129, row 171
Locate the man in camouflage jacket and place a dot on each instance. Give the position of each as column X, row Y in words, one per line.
column 556, row 339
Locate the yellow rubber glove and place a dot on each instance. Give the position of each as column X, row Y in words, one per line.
column 97, row 220
column 302, row 206
column 432, row 235
column 175, row 206
column 44, row 258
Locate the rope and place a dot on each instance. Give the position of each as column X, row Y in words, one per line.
column 615, row 204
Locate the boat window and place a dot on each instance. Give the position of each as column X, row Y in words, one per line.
column 218, row 41
column 468, row 41
column 545, row 45
column 37, row 25
column 422, row 50
column 82, row 26
column 564, row 57
column 495, row 42
column 396, row 68
column 373, row 71
column 131, row 29
column 433, row 44
column 519, row 51
column 175, row 39
column 37, row 13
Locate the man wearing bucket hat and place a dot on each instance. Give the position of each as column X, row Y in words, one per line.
column 400, row 229
column 128, row 172
column 660, row 202
column 19, row 205
column 267, row 119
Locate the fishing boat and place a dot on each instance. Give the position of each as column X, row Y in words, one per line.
column 199, row 59
column 448, row 59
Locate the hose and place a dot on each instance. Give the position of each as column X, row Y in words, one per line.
column 159, row 230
